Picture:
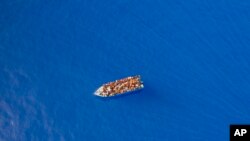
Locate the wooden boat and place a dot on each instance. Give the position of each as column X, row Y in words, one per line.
column 119, row 87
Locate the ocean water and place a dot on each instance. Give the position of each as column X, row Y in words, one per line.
column 193, row 56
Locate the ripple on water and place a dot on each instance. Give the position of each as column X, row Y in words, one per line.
column 23, row 117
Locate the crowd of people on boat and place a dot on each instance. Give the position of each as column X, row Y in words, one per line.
column 122, row 86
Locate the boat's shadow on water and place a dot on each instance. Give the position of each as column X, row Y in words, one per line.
column 121, row 95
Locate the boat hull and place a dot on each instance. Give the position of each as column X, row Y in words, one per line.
column 120, row 87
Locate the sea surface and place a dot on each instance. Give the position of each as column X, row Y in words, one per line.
column 193, row 56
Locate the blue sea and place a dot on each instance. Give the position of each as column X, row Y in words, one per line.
column 193, row 57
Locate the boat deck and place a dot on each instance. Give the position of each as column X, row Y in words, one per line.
column 120, row 86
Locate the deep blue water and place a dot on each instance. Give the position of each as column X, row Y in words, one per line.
column 193, row 56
